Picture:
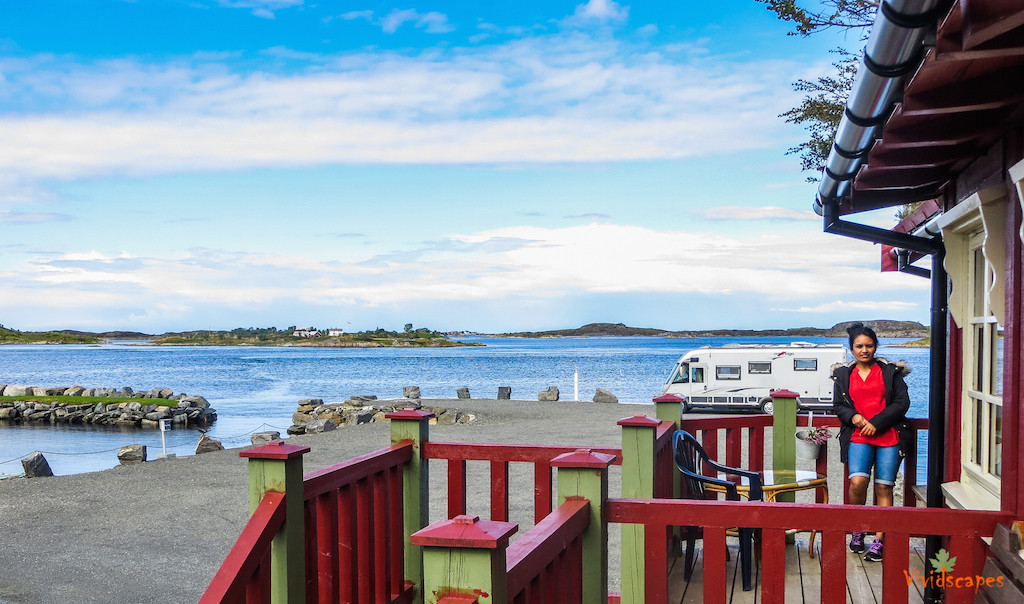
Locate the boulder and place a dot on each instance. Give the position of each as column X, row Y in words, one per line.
column 319, row 425
column 301, row 418
column 74, row 391
column 447, row 418
column 359, row 417
column 36, row 466
column 312, row 402
column 36, row 391
column 295, row 429
column 549, row 395
column 127, row 391
column 462, row 392
column 261, row 438
column 363, row 398
column 207, row 444
column 411, row 391
column 504, row 393
column 603, row 396
column 16, row 390
column 132, row 454
column 9, row 413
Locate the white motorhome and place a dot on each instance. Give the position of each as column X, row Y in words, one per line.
column 742, row 376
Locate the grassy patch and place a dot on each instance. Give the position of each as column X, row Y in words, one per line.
column 88, row 400
column 922, row 343
column 11, row 336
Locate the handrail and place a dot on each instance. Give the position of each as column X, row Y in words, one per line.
column 249, row 552
column 528, row 557
column 455, row 451
column 322, row 481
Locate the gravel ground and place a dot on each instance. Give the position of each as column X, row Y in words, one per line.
column 157, row 532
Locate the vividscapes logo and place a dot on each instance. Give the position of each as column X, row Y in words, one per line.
column 943, row 564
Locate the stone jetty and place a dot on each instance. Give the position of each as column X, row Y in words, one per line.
column 314, row 415
column 182, row 409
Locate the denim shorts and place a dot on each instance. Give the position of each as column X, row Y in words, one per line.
column 886, row 461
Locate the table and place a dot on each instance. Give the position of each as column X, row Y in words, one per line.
column 774, row 485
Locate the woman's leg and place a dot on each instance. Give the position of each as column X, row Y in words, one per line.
column 887, row 463
column 860, row 459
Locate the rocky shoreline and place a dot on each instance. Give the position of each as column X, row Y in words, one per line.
column 181, row 409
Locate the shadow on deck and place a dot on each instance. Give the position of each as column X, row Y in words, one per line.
column 803, row 577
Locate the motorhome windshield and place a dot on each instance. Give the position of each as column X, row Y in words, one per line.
column 681, row 374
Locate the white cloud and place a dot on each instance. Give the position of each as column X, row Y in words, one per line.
column 604, row 10
column 562, row 98
column 758, row 213
column 840, row 305
column 528, row 263
column 431, row 22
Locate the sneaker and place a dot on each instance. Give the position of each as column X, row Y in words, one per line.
column 857, row 542
column 874, row 552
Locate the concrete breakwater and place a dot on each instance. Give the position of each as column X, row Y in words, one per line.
column 314, row 416
column 182, row 409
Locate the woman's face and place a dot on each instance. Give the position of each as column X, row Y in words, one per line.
column 863, row 349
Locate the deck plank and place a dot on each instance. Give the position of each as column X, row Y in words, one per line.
column 862, row 578
column 810, row 573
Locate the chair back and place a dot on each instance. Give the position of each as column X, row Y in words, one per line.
column 691, row 458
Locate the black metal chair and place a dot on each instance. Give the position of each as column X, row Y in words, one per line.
column 690, row 458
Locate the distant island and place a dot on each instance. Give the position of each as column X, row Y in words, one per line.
column 883, row 327
column 244, row 336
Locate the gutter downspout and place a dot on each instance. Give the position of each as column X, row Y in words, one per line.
column 936, row 411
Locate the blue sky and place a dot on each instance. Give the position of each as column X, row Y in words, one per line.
column 210, row 164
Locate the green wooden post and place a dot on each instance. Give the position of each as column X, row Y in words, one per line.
column 413, row 425
column 783, row 439
column 638, row 436
column 465, row 555
column 670, row 408
column 584, row 474
column 277, row 466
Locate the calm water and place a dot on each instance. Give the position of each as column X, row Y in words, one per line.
column 256, row 389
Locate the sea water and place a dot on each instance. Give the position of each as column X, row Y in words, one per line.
column 258, row 388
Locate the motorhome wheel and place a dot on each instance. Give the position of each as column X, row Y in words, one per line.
column 767, row 406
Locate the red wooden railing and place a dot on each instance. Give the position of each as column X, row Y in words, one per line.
column 500, row 456
column 245, row 574
column 750, row 429
column 354, row 523
column 546, row 563
column 964, row 530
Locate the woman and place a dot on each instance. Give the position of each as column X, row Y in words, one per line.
column 871, row 401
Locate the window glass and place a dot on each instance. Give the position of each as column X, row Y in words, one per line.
column 995, row 454
column 697, row 375
column 997, row 364
column 805, row 364
column 681, row 375
column 727, row 372
column 978, row 286
column 759, row 367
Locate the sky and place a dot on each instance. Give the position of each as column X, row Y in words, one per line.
column 168, row 165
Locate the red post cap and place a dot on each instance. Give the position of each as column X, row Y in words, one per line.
column 413, row 414
column 668, row 398
column 466, row 531
column 275, row 449
column 641, row 421
column 583, row 458
column 783, row 394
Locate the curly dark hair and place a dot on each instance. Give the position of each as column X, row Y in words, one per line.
column 859, row 329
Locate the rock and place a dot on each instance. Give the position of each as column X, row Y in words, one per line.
column 319, row 425
column 358, row 417
column 363, row 398
column 465, row 418
column 462, row 392
column 411, row 391
column 15, row 390
column 207, row 444
column 549, row 395
column 447, row 418
column 36, row 391
column 603, row 396
column 126, row 391
column 296, row 429
column 9, row 413
column 132, row 454
column 36, row 466
column 504, row 393
column 74, row 391
column 261, row 438
column 301, row 418
column 312, row 402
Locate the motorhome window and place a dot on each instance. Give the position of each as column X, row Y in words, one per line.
column 727, row 372
column 759, row 367
column 805, row 364
column 697, row 375
column 681, row 375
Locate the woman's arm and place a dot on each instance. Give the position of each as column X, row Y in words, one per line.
column 895, row 410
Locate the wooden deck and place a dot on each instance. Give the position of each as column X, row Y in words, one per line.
column 803, row 577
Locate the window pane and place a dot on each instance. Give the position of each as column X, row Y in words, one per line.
column 978, row 284
column 997, row 363
column 979, row 416
column 728, row 372
column 805, row 364
column 995, row 452
column 759, row 367
column 979, row 357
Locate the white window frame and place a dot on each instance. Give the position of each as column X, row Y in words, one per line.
column 974, row 234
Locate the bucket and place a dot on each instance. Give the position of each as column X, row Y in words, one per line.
column 804, row 449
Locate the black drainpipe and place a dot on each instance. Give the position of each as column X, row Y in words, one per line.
column 936, row 412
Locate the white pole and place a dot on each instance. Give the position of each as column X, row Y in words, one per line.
column 810, row 419
column 576, row 384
